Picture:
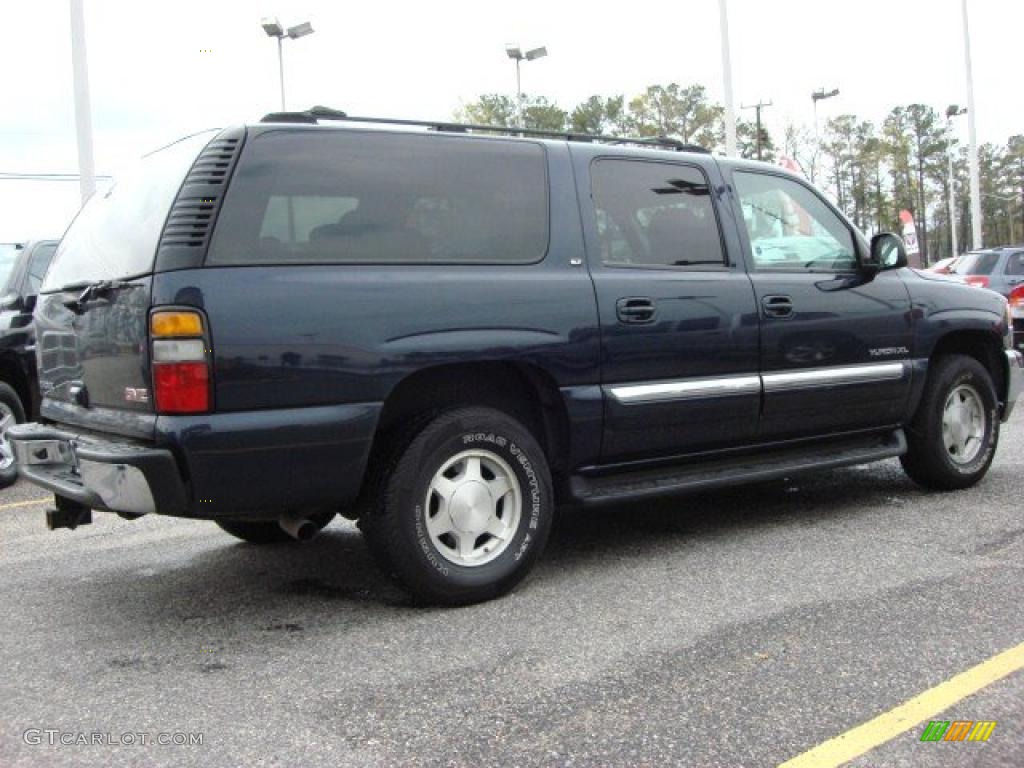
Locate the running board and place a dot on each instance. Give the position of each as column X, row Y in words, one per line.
column 751, row 468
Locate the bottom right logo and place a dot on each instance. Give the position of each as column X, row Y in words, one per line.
column 958, row 730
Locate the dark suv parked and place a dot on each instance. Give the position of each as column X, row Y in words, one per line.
column 22, row 267
column 443, row 333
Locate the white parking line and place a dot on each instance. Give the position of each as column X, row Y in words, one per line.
column 28, row 503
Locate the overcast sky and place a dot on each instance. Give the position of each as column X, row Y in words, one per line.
column 161, row 70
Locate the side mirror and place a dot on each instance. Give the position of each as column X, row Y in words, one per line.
column 887, row 252
column 29, row 303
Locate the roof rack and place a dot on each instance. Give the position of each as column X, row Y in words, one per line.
column 314, row 115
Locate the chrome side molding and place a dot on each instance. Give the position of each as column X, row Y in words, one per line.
column 843, row 374
column 755, row 383
column 687, row 389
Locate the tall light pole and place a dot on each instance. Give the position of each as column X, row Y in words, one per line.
column 83, row 109
column 972, row 137
column 820, row 95
column 757, row 110
column 516, row 53
column 730, row 112
column 273, row 28
column 952, row 111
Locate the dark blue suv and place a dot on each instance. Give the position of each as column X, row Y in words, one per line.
column 443, row 331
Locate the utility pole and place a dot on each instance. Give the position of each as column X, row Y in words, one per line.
column 83, row 109
column 730, row 112
column 953, row 110
column 972, row 136
column 757, row 111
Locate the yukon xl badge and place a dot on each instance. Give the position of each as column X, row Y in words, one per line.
column 888, row 351
column 136, row 395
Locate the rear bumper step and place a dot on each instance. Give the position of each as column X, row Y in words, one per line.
column 99, row 474
column 735, row 471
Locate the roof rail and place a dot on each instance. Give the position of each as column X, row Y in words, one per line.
column 314, row 115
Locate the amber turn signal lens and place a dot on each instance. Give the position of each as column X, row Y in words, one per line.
column 176, row 324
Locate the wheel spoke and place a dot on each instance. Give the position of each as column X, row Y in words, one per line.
column 444, row 487
column 466, row 543
column 497, row 529
column 498, row 487
column 472, row 471
column 439, row 524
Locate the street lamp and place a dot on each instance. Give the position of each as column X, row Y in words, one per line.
column 273, row 28
column 953, row 110
column 820, row 95
column 516, row 53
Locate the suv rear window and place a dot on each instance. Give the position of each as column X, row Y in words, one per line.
column 334, row 196
column 976, row 264
column 115, row 235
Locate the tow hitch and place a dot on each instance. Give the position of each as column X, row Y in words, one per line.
column 68, row 514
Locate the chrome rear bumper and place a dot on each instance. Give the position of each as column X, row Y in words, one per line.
column 98, row 473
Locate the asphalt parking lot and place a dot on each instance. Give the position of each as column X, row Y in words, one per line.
column 739, row 628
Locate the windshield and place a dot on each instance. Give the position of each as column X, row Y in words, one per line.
column 976, row 264
column 115, row 235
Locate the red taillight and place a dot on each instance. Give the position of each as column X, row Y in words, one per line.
column 181, row 370
column 1016, row 297
column 979, row 281
column 181, row 387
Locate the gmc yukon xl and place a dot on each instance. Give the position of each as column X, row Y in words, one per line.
column 442, row 331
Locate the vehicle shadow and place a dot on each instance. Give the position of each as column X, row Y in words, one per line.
column 336, row 568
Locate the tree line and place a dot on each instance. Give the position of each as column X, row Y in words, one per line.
column 872, row 171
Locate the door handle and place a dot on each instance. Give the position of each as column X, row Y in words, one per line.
column 635, row 309
column 777, row 306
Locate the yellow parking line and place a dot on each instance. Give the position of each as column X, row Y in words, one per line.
column 924, row 706
column 28, row 503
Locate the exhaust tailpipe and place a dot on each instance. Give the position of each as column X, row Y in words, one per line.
column 298, row 527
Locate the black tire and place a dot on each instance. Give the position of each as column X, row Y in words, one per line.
column 928, row 461
column 10, row 400
column 268, row 531
column 396, row 519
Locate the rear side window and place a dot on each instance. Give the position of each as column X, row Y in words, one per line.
column 1015, row 263
column 347, row 197
column 652, row 214
column 976, row 264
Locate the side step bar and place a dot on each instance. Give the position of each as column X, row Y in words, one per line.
column 752, row 468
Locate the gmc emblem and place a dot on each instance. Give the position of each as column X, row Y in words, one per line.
column 136, row 395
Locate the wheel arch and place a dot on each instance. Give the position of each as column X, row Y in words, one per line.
column 525, row 391
column 982, row 345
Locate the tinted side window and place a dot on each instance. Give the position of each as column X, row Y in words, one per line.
column 343, row 196
column 654, row 214
column 790, row 227
column 1015, row 264
column 37, row 265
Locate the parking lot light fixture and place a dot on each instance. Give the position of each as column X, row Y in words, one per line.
column 275, row 29
column 820, row 95
column 515, row 52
